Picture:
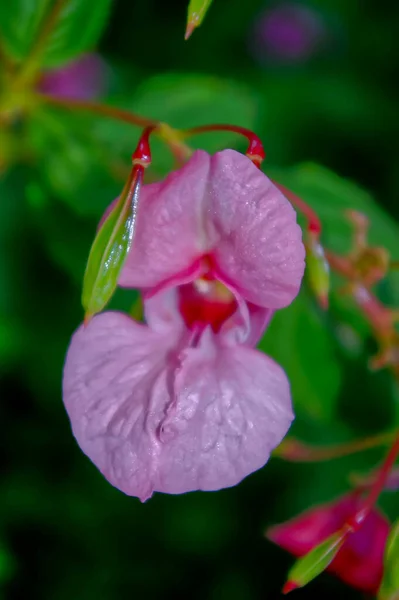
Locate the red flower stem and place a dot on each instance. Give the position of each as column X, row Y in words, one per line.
column 314, row 223
column 97, row 108
column 355, row 522
column 383, row 474
column 296, row 451
column 255, row 150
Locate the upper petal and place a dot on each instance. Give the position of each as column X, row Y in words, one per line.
column 259, row 248
column 170, row 234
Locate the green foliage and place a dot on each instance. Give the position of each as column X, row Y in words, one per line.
column 330, row 195
column 389, row 589
column 187, row 100
column 316, row 561
column 64, row 531
column 197, row 10
column 110, row 248
column 78, row 27
column 299, row 339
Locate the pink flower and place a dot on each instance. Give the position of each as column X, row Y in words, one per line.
column 185, row 402
column 81, row 79
column 359, row 562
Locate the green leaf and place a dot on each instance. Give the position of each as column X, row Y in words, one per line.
column 330, row 195
column 315, row 562
column 73, row 164
column 298, row 338
column 77, row 28
column 110, row 248
column 197, row 10
column 389, row 589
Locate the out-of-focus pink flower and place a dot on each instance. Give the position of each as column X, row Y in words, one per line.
column 359, row 562
column 185, row 402
column 288, row 32
column 82, row 79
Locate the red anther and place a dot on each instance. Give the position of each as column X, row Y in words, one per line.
column 142, row 154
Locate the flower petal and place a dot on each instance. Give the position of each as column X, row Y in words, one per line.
column 259, row 248
column 359, row 562
column 232, row 407
column 114, row 391
column 156, row 415
column 169, row 237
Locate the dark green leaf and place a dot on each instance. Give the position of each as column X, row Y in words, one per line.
column 299, row 340
column 75, row 167
column 330, row 196
column 77, row 28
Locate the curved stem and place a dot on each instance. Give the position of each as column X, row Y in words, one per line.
column 111, row 112
column 255, row 151
column 383, row 473
column 314, row 223
column 296, row 451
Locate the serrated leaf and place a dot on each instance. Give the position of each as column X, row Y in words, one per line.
column 316, row 561
column 110, row 248
column 77, row 28
column 389, row 589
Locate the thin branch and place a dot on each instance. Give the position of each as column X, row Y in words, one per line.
column 297, row 451
column 97, row 108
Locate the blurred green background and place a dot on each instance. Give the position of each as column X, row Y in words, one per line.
column 318, row 82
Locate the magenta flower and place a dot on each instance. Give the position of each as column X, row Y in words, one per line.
column 184, row 402
column 359, row 563
column 81, row 79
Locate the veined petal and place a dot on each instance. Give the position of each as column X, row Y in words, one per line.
column 231, row 407
column 156, row 415
column 115, row 389
column 259, row 244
